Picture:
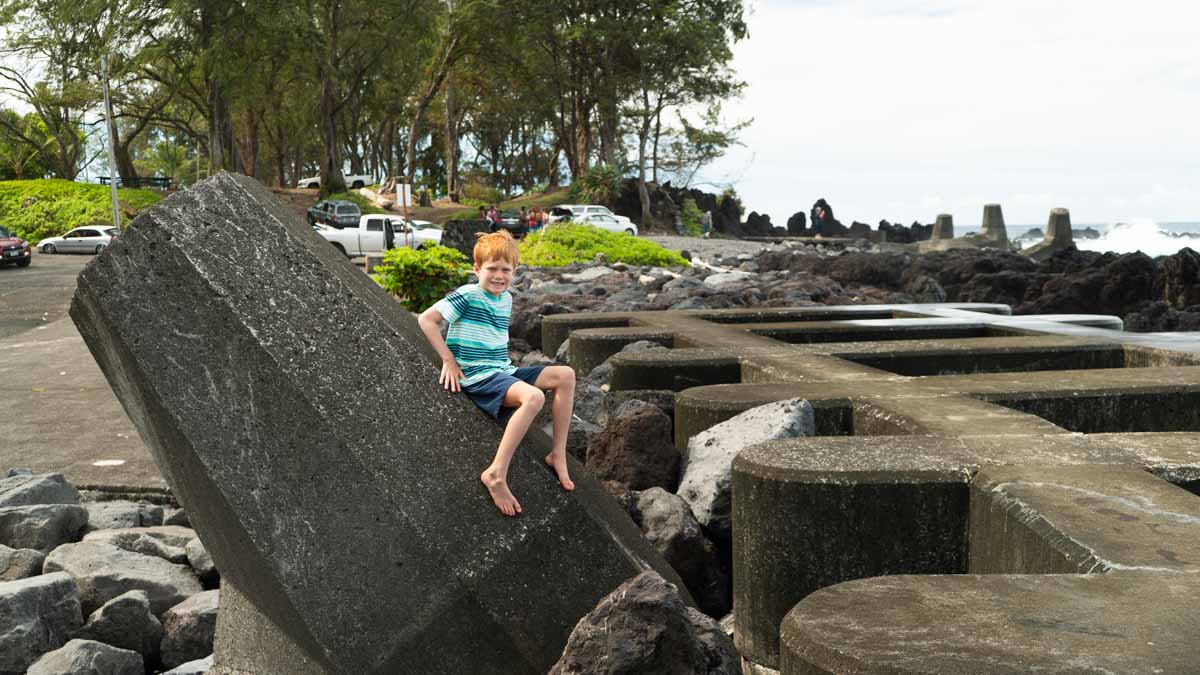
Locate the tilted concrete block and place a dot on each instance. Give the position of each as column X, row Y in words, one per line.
column 295, row 410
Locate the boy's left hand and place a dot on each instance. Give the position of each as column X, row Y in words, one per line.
column 450, row 376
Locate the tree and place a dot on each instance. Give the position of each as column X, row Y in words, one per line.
column 20, row 154
column 683, row 51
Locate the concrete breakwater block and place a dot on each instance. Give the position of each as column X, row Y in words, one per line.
column 264, row 371
column 1058, row 236
column 1046, row 623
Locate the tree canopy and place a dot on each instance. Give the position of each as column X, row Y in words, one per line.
column 467, row 98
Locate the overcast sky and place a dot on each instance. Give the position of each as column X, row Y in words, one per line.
column 903, row 109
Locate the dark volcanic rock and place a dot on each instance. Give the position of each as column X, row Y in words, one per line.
column 859, row 230
column 636, row 448
column 883, row 270
column 643, row 627
column 1118, row 288
column 303, row 357
column 797, row 223
column 460, row 234
column 668, row 523
column 1179, row 282
column 757, row 225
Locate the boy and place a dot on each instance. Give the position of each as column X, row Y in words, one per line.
column 475, row 360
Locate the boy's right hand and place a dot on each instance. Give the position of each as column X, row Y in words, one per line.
column 450, row 376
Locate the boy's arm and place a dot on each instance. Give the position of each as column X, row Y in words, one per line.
column 430, row 322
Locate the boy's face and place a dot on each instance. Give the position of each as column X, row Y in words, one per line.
column 494, row 275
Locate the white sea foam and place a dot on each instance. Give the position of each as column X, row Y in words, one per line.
column 1143, row 235
column 1139, row 235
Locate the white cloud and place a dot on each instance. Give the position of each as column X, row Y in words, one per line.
column 877, row 105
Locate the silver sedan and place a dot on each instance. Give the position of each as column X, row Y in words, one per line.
column 88, row 239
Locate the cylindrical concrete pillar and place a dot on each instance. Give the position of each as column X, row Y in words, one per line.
column 993, row 224
column 1058, row 229
column 943, row 228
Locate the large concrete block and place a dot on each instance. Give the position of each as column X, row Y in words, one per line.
column 263, row 370
column 1037, row 623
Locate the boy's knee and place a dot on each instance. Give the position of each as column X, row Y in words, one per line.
column 568, row 377
column 534, row 397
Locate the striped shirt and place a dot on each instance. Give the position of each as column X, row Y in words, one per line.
column 478, row 335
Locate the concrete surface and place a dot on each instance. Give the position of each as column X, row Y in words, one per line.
column 987, row 625
column 60, row 412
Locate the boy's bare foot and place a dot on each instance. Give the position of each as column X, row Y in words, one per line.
column 558, row 461
column 498, row 488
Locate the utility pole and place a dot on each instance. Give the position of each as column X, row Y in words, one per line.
column 108, row 127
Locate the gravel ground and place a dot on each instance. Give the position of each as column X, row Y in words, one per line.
column 706, row 249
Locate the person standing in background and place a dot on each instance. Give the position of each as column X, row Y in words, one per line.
column 822, row 218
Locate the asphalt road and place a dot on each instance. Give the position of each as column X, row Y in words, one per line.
column 59, row 412
column 36, row 295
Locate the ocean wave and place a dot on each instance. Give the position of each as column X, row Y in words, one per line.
column 1143, row 235
column 1146, row 236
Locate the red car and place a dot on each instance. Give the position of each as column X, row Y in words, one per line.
column 14, row 249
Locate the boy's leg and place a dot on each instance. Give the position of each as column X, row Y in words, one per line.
column 562, row 380
column 528, row 401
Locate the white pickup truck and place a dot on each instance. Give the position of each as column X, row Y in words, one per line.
column 352, row 182
column 369, row 237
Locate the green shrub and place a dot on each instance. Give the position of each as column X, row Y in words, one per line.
column 36, row 209
column 421, row 278
column 563, row 244
column 365, row 205
column 477, row 193
column 691, row 215
column 599, row 185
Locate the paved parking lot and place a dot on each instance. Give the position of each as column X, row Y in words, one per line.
column 60, row 413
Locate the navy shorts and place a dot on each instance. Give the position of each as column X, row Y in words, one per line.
column 489, row 393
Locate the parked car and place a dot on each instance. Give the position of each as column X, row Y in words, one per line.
column 370, row 236
column 352, row 182
column 607, row 222
column 87, row 239
column 510, row 219
column 579, row 211
column 14, row 250
column 335, row 213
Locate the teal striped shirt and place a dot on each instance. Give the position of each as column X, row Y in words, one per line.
column 478, row 335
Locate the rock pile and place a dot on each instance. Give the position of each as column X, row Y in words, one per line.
column 98, row 586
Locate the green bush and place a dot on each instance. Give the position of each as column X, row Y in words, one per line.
column 421, row 278
column 691, row 215
column 365, row 205
column 36, row 209
column 599, row 185
column 477, row 193
column 563, row 244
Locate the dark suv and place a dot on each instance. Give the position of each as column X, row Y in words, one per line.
column 14, row 249
column 334, row 213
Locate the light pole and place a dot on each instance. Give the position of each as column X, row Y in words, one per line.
column 108, row 128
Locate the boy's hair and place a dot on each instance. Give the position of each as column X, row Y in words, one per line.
column 498, row 245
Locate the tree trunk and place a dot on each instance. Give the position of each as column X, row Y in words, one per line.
column 414, row 130
column 583, row 135
column 654, row 154
column 452, row 188
column 332, row 178
column 249, row 143
column 643, row 137
column 552, row 169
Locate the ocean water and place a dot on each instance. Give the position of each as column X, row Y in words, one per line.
column 1147, row 236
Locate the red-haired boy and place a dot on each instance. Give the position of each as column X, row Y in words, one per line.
column 475, row 360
